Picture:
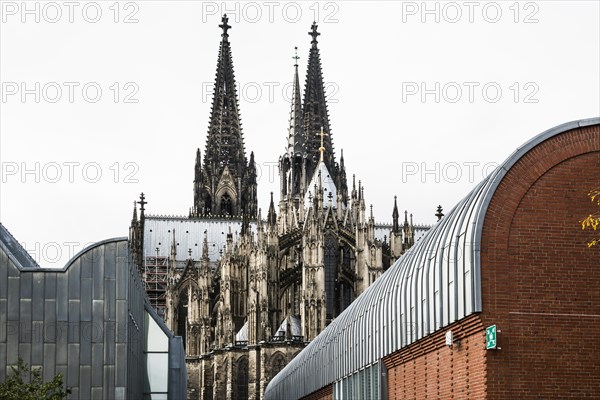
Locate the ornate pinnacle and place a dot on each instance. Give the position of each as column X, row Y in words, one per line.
column 296, row 58
column 439, row 213
column 224, row 25
column 313, row 32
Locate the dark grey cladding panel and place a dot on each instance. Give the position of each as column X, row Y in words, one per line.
column 97, row 393
column 86, row 265
column 25, row 331
column 50, row 286
column 98, row 272
column 13, row 299
column 37, row 296
column 85, row 379
column 50, row 317
column 122, row 321
column 49, row 361
column 109, row 379
column 98, row 320
column 62, row 297
column 12, row 339
column 122, row 283
column 2, row 361
column 37, row 343
column 121, row 364
column 110, row 260
column 86, row 299
column 26, row 285
column 73, row 365
column 62, row 344
column 3, row 321
column 74, row 321
column 110, row 303
column 85, row 343
column 3, row 275
column 74, row 277
column 97, row 362
column 109, row 342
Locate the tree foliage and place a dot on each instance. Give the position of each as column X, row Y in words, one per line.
column 592, row 221
column 25, row 383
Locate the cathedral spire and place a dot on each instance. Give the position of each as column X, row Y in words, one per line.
column 225, row 144
column 296, row 131
column 223, row 185
column 315, row 111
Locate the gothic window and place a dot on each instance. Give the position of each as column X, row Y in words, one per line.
column 330, row 274
column 207, row 205
column 277, row 364
column 182, row 312
column 241, row 379
column 226, row 205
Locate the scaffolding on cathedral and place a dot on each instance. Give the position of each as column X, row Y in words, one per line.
column 155, row 281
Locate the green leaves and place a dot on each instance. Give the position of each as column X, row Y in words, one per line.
column 24, row 383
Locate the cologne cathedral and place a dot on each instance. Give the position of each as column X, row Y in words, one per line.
column 248, row 291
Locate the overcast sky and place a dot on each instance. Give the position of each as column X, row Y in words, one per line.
column 104, row 100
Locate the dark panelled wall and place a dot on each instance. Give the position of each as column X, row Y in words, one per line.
column 85, row 321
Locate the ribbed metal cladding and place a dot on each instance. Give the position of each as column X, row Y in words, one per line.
column 434, row 284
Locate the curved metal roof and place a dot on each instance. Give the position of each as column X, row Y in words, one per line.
column 434, row 284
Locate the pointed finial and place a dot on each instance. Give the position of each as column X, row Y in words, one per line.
column 439, row 213
column 224, row 25
column 190, row 253
column 313, row 32
column 142, row 203
column 296, row 58
column 395, row 224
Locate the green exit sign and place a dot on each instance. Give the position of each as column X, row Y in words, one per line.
column 490, row 337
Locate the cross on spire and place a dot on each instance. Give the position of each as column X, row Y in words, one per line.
column 142, row 202
column 322, row 148
column 313, row 32
column 224, row 25
column 296, row 58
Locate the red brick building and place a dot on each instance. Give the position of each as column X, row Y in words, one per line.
column 511, row 254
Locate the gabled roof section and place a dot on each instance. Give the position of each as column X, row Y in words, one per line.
column 324, row 182
column 15, row 251
column 225, row 143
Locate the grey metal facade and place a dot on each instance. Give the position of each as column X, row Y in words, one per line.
column 85, row 321
column 434, row 284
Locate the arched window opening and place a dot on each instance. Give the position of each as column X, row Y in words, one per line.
column 277, row 364
column 241, row 379
column 182, row 313
column 226, row 205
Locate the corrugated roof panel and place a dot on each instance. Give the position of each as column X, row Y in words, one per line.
column 189, row 234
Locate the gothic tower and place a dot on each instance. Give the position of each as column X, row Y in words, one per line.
column 225, row 184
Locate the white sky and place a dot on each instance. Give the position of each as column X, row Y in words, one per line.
column 377, row 58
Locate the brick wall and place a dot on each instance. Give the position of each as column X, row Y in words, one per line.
column 325, row 393
column 540, row 282
column 428, row 369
